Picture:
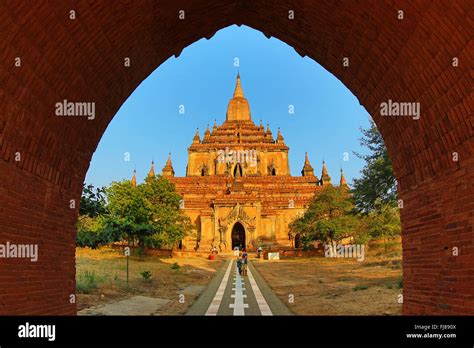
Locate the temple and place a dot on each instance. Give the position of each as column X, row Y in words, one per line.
column 238, row 189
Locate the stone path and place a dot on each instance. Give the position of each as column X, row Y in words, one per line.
column 135, row 305
column 234, row 295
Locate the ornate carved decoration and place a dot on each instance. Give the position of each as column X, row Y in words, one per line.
column 236, row 214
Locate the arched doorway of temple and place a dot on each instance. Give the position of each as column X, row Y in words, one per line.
column 238, row 171
column 238, row 236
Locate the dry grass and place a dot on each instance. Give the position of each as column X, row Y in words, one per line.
column 101, row 276
column 321, row 286
column 329, row 286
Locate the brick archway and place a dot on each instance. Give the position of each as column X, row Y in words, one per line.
column 82, row 59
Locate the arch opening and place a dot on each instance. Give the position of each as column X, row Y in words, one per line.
column 421, row 151
column 238, row 236
column 238, row 171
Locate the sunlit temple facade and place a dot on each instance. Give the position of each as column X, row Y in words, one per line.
column 238, row 190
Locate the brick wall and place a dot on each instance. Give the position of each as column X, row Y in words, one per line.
column 82, row 60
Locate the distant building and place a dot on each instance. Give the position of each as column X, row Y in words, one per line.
column 238, row 189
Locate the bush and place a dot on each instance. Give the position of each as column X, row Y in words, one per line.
column 400, row 283
column 140, row 252
column 87, row 282
column 360, row 287
column 146, row 275
column 175, row 266
column 86, row 239
column 397, row 285
column 93, row 232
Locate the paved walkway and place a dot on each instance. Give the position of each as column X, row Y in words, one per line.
column 231, row 294
column 135, row 305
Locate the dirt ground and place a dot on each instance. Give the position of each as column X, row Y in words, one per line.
column 317, row 286
column 336, row 286
column 101, row 278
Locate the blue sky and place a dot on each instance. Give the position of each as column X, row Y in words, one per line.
column 326, row 118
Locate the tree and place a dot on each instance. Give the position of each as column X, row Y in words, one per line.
column 148, row 212
column 329, row 218
column 384, row 222
column 171, row 224
column 92, row 232
column 378, row 181
column 375, row 193
column 129, row 213
column 92, row 201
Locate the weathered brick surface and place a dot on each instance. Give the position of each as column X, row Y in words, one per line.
column 82, row 60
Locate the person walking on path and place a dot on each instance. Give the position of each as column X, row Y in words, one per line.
column 239, row 263
column 244, row 262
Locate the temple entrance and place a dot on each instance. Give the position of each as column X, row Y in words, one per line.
column 238, row 171
column 238, row 236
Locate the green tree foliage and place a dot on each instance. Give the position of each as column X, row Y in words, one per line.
column 87, row 231
column 93, row 232
column 384, row 222
column 329, row 218
column 170, row 223
column 375, row 193
column 92, row 201
column 378, row 181
column 90, row 225
column 368, row 212
column 148, row 212
column 128, row 211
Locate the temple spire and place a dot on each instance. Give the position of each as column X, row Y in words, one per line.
column 325, row 170
column 325, row 178
column 197, row 138
column 168, row 168
column 238, row 108
column 307, row 168
column 238, row 92
column 134, row 178
column 268, row 134
column 280, row 139
column 151, row 173
column 342, row 182
column 207, row 134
